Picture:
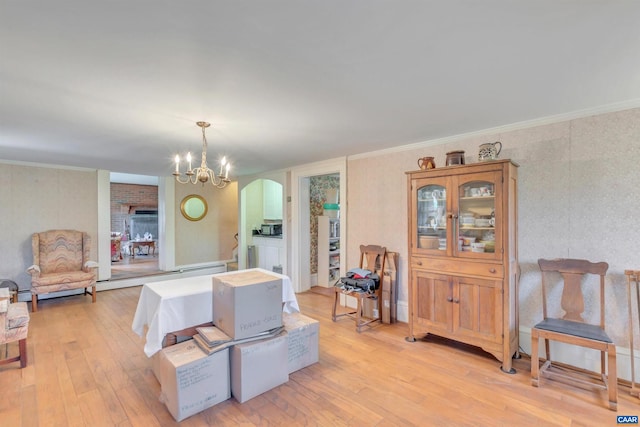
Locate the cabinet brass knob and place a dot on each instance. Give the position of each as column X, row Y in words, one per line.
column 492, row 270
column 449, row 299
column 457, row 301
column 419, row 262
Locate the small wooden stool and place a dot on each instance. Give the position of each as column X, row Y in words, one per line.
column 13, row 289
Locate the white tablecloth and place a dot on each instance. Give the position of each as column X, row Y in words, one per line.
column 173, row 305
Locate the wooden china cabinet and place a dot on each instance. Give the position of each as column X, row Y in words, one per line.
column 463, row 269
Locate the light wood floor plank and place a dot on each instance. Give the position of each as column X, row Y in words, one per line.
column 87, row 368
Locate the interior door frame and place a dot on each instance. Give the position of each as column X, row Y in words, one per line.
column 300, row 217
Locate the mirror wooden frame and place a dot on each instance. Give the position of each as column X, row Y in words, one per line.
column 194, row 207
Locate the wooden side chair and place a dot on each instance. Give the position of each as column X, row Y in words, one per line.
column 14, row 326
column 372, row 258
column 633, row 283
column 571, row 328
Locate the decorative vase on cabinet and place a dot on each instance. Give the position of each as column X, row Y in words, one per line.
column 463, row 269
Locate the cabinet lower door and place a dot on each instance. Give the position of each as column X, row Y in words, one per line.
column 432, row 311
column 477, row 308
column 463, row 308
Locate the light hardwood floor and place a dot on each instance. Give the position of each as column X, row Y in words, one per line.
column 87, row 368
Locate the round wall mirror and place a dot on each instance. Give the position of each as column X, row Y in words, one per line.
column 193, row 207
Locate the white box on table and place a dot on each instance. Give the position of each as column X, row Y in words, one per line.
column 258, row 366
column 247, row 303
column 192, row 381
column 303, row 337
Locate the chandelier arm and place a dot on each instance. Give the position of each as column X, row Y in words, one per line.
column 181, row 181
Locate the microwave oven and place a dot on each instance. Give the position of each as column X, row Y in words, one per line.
column 271, row 229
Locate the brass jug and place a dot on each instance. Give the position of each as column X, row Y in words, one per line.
column 426, row 163
column 489, row 151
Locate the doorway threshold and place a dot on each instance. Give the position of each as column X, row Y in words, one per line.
column 159, row 276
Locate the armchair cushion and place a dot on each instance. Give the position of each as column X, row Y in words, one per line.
column 14, row 319
column 54, row 282
column 60, row 251
column 17, row 315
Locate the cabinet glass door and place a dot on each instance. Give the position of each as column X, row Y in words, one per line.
column 432, row 217
column 478, row 218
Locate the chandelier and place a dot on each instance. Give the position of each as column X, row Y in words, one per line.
column 203, row 174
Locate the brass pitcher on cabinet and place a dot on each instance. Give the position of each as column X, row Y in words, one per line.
column 489, row 151
column 426, row 163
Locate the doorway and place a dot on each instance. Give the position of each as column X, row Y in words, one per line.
column 134, row 226
column 323, row 197
column 301, row 217
column 262, row 203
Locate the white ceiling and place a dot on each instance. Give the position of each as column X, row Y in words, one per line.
column 119, row 85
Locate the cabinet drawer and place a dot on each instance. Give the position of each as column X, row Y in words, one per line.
column 458, row 267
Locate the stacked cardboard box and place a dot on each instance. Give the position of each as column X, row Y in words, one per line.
column 247, row 303
column 192, row 381
column 302, row 336
column 258, row 366
column 244, row 305
column 247, row 307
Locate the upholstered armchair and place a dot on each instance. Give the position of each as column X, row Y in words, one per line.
column 61, row 262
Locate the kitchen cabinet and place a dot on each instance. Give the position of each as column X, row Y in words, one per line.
column 270, row 252
column 271, row 199
column 328, row 250
column 463, row 265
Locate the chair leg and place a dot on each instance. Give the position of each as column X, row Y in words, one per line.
column 34, row 302
column 535, row 363
column 612, row 377
column 547, row 349
column 93, row 293
column 359, row 309
column 336, row 295
column 22, row 344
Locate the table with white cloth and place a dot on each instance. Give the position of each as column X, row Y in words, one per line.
column 172, row 305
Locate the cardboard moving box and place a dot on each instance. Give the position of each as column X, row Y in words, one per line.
column 302, row 340
column 173, row 338
column 192, row 381
column 258, row 366
column 247, row 303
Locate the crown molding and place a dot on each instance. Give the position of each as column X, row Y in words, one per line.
column 603, row 109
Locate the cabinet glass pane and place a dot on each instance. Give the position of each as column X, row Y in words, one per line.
column 477, row 217
column 432, row 217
